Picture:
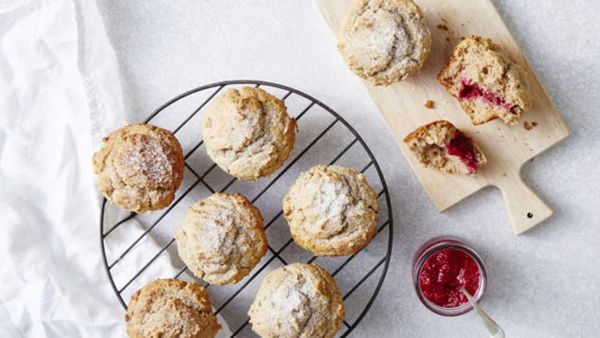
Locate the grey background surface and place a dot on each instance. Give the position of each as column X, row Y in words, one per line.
column 545, row 283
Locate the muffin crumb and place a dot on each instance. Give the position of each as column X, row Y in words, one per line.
column 529, row 126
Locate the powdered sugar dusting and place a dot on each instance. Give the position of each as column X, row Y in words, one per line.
column 372, row 42
column 144, row 161
column 218, row 234
column 329, row 202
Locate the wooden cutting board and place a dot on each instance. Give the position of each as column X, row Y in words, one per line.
column 507, row 148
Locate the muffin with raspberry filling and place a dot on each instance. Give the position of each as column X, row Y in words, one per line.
column 440, row 145
column 486, row 81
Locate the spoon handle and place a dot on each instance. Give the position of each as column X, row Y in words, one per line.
column 493, row 328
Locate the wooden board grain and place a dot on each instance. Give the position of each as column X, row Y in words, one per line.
column 507, row 148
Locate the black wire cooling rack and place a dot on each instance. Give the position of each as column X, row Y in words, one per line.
column 137, row 248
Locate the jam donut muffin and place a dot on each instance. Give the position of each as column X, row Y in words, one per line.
column 248, row 132
column 384, row 41
column 170, row 308
column 139, row 167
column 221, row 238
column 439, row 145
column 486, row 81
column 331, row 210
column 298, row 300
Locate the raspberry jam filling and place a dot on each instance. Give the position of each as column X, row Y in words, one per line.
column 444, row 272
column 470, row 91
column 462, row 147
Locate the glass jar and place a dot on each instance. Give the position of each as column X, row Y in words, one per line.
column 433, row 247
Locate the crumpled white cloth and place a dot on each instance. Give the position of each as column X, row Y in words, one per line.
column 59, row 92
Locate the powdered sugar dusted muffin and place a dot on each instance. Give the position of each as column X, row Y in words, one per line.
column 139, row 167
column 486, row 81
column 248, row 132
column 439, row 145
column 331, row 210
column 221, row 238
column 384, row 41
column 170, row 308
column 298, row 300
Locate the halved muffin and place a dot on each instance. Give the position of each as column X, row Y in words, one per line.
column 440, row 145
column 486, row 81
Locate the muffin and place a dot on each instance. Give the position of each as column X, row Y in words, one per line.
column 139, row 167
column 221, row 238
column 486, row 81
column 170, row 308
column 439, row 145
column 384, row 41
column 331, row 210
column 298, row 300
column 248, row 132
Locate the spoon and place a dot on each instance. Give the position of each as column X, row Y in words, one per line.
column 493, row 328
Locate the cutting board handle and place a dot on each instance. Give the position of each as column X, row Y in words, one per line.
column 526, row 209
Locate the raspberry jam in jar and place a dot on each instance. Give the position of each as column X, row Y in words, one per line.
column 441, row 267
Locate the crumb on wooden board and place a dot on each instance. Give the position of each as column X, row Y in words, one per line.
column 529, row 126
